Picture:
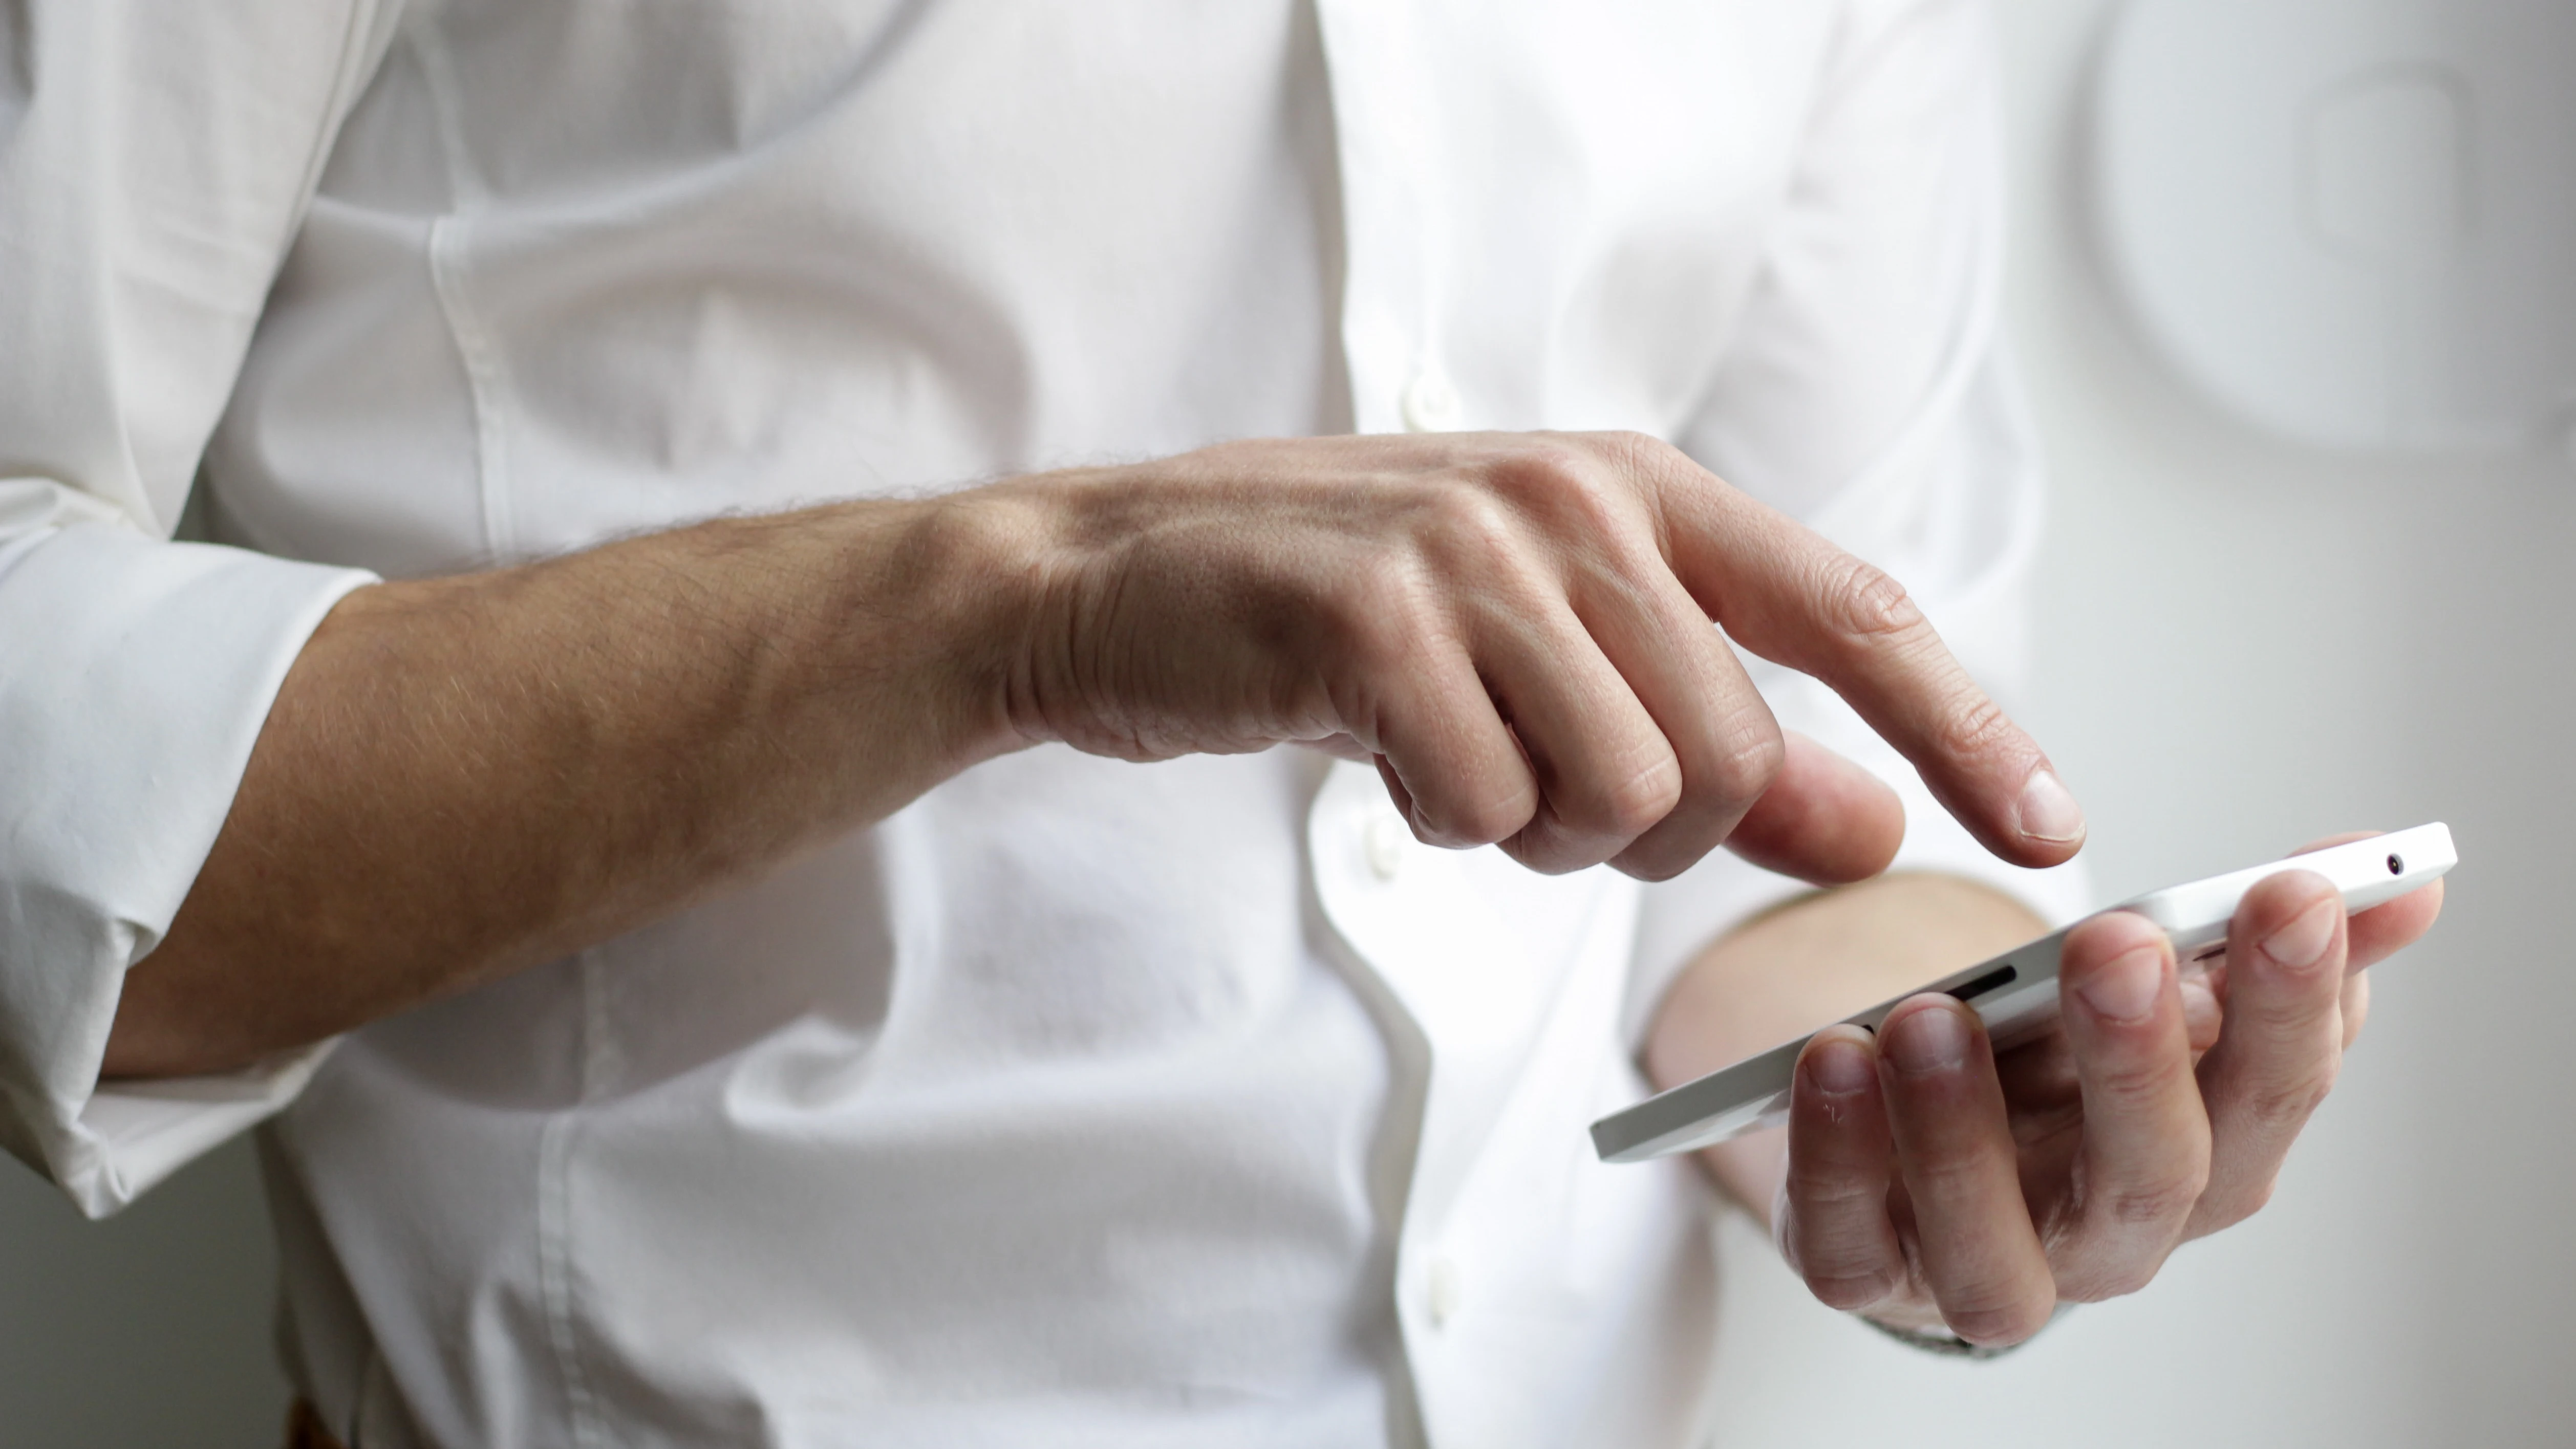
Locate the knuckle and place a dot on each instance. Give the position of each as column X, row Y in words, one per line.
column 2295, row 993
column 1484, row 818
column 2112, row 1281
column 1659, row 862
column 1973, row 728
column 1467, row 521
column 1739, row 774
column 2145, row 1076
column 1949, row 1178
column 2155, row 1205
column 1568, row 489
column 1832, row 1189
column 1647, row 794
column 1630, row 443
column 1866, row 604
column 2285, row 1106
column 1642, row 455
column 2255, row 1198
column 1852, row 1290
column 1997, row 1318
column 2239, row 1205
column 2132, row 1280
column 1546, row 849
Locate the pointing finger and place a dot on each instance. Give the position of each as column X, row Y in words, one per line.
column 1784, row 592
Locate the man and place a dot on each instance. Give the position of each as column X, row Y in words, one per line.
column 725, row 968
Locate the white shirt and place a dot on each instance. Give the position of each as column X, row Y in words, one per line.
column 1080, row 1102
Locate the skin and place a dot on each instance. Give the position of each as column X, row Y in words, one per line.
column 1928, row 1182
column 463, row 777
column 467, row 776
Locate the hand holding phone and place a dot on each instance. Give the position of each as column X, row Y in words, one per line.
column 1935, row 1184
column 2015, row 994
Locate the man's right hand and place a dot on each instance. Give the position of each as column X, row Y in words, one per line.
column 1517, row 628
column 465, row 776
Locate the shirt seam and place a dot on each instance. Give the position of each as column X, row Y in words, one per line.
column 554, row 1212
column 486, row 377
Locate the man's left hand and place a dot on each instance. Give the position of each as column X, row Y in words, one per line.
column 1933, row 1183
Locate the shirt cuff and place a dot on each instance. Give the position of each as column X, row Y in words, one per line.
column 139, row 675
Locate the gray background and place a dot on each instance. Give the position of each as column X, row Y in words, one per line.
column 2242, row 646
column 145, row 1331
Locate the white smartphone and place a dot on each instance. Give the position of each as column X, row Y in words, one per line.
column 2016, row 992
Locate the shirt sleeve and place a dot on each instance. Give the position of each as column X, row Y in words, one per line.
column 1867, row 391
column 155, row 162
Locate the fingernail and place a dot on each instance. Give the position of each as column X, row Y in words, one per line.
column 2048, row 810
column 2125, row 987
column 2302, row 941
column 1839, row 1068
column 1931, row 1040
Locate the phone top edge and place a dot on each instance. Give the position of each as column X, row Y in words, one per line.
column 2426, row 850
column 1737, row 1097
column 2367, row 872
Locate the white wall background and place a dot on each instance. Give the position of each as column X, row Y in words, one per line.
column 2241, row 647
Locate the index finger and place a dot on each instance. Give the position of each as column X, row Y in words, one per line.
column 1783, row 591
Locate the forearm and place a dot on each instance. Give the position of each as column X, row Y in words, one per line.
column 465, row 776
column 1816, row 960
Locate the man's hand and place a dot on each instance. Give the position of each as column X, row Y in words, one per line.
column 1928, row 1182
column 1517, row 629
column 466, row 776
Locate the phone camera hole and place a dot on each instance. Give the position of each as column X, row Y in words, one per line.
column 2396, row 865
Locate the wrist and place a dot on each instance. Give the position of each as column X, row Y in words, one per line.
column 1041, row 553
column 964, row 581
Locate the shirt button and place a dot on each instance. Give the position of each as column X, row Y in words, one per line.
column 1431, row 405
column 1446, row 1287
column 1382, row 842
